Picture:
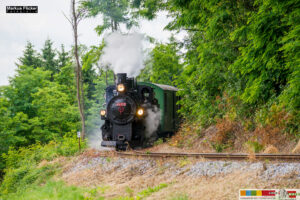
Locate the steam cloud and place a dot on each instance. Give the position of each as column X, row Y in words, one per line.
column 95, row 139
column 124, row 53
column 95, row 135
column 152, row 121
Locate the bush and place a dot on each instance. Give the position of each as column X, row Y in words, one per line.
column 35, row 153
column 254, row 146
column 22, row 169
column 23, row 177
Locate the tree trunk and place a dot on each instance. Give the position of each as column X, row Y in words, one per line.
column 79, row 86
column 82, row 105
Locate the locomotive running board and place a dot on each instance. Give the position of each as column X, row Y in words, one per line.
column 109, row 143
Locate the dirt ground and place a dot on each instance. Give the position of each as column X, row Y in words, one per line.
column 123, row 177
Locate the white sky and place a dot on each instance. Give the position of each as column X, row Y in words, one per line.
column 17, row 29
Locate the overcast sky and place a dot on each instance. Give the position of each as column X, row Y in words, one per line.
column 17, row 29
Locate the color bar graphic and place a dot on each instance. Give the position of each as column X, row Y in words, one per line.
column 257, row 192
column 270, row 194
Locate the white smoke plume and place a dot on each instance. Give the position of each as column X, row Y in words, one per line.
column 152, row 121
column 124, row 53
column 95, row 139
column 94, row 135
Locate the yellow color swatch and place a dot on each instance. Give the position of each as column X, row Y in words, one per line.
column 258, row 193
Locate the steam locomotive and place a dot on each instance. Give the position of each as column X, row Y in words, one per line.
column 137, row 113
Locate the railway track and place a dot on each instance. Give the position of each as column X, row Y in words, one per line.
column 212, row 155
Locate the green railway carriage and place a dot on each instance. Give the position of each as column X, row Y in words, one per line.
column 167, row 101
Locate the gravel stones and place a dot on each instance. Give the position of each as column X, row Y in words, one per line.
column 198, row 169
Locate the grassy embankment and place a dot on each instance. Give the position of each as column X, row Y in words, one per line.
column 34, row 173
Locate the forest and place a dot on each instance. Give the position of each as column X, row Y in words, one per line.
column 239, row 62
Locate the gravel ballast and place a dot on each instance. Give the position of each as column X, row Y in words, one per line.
column 193, row 169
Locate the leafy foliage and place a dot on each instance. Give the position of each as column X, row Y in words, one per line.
column 246, row 50
column 55, row 115
column 166, row 65
column 114, row 13
column 22, row 165
column 163, row 65
column 39, row 104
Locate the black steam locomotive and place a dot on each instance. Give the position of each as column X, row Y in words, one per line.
column 136, row 114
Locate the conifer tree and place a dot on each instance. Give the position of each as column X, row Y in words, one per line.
column 63, row 57
column 48, row 56
column 30, row 57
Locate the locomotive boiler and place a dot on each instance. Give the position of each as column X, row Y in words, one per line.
column 137, row 113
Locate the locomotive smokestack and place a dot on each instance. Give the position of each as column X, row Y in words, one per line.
column 121, row 78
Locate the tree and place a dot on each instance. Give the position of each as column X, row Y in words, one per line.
column 30, row 57
column 26, row 82
column 56, row 115
column 48, row 55
column 37, row 106
column 246, row 49
column 94, row 121
column 66, row 79
column 165, row 64
column 268, row 60
column 90, row 59
column 115, row 12
column 76, row 16
column 11, row 129
column 146, row 73
column 63, row 57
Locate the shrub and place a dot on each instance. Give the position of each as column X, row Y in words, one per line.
column 254, row 146
column 23, row 177
column 35, row 153
column 224, row 137
column 22, row 169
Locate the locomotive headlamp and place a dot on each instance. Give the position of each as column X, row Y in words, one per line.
column 103, row 112
column 121, row 88
column 140, row 111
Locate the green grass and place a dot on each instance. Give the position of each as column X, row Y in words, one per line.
column 143, row 194
column 180, row 197
column 254, row 146
column 50, row 191
column 158, row 142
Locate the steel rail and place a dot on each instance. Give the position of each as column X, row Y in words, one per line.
column 212, row 155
